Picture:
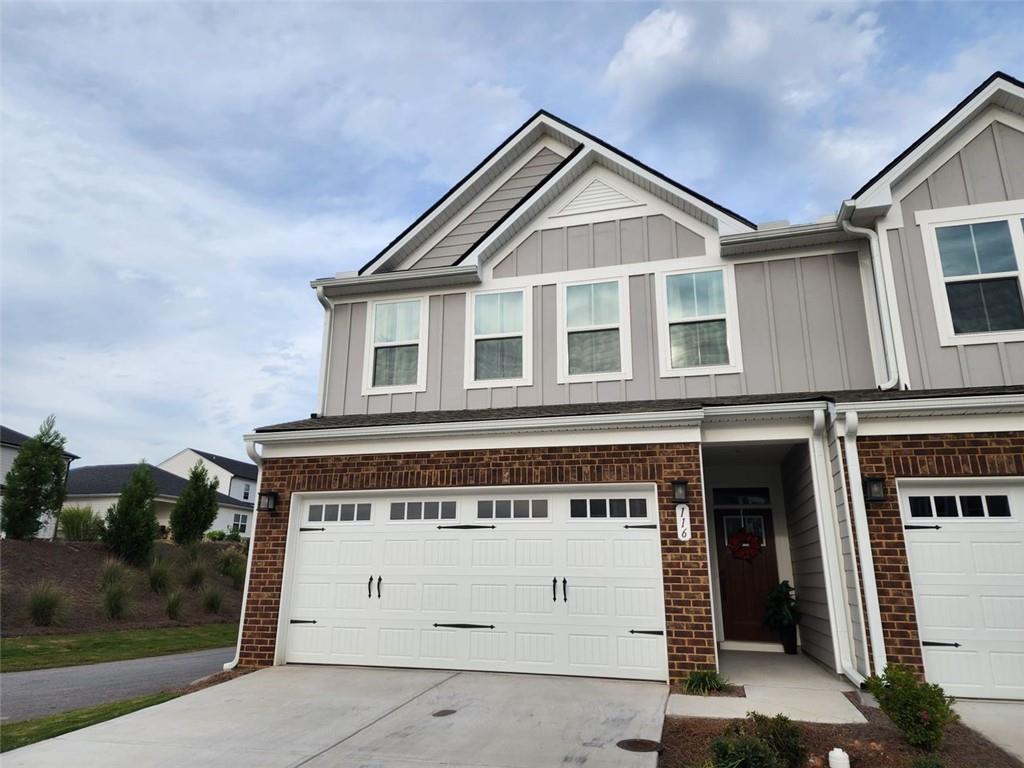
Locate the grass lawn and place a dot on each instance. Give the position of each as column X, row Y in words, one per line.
column 18, row 654
column 20, row 734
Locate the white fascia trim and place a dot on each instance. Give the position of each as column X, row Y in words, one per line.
column 1013, row 403
column 338, row 288
column 715, row 412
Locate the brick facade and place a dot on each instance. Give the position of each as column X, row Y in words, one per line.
column 990, row 454
column 690, row 634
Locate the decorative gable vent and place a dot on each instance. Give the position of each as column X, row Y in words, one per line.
column 597, row 196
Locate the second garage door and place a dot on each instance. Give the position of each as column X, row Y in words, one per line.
column 532, row 581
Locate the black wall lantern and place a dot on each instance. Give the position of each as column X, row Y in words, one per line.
column 680, row 491
column 874, row 489
column 267, row 502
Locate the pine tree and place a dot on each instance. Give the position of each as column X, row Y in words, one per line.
column 34, row 487
column 196, row 508
column 131, row 523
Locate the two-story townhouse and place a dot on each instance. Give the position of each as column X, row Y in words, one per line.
column 236, row 479
column 580, row 419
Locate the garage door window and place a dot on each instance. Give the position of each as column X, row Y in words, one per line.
column 349, row 512
column 511, row 509
column 966, row 506
column 605, row 508
column 411, row 511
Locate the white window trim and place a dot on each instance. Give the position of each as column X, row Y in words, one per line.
column 732, row 325
column 526, row 379
column 421, row 356
column 929, row 221
column 240, row 522
column 625, row 371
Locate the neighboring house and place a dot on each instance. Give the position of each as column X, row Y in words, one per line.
column 237, row 478
column 10, row 443
column 580, row 419
column 99, row 487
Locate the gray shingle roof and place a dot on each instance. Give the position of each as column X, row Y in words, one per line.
column 639, row 406
column 109, row 479
column 13, row 437
column 243, row 469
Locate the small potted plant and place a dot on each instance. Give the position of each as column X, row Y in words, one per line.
column 783, row 615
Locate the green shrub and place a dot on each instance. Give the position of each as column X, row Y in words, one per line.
column 227, row 560
column 45, row 604
column 113, row 571
column 233, row 536
column 704, row 681
column 115, row 600
column 778, row 737
column 216, row 535
column 174, row 604
column 34, row 486
column 742, row 751
column 212, row 600
column 921, row 710
column 195, row 576
column 79, row 524
column 159, row 577
column 927, row 761
column 131, row 525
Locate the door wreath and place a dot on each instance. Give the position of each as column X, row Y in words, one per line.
column 745, row 545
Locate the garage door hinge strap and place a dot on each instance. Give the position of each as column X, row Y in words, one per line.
column 920, row 527
column 933, row 644
column 647, row 632
column 312, row 529
column 466, row 527
column 466, row 626
column 652, row 525
column 302, row 621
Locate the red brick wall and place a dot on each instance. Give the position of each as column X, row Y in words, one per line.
column 687, row 594
column 987, row 454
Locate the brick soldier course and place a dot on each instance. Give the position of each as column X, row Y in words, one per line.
column 690, row 636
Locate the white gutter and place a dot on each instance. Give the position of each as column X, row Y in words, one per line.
column 250, row 449
column 881, row 298
column 867, row 561
column 972, row 403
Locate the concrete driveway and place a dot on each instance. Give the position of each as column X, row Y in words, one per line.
column 374, row 718
column 48, row 691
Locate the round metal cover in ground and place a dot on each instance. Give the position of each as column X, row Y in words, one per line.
column 639, row 745
column 444, row 712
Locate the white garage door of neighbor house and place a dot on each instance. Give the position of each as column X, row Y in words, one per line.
column 531, row 581
column 965, row 544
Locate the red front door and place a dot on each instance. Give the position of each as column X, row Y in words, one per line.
column 747, row 571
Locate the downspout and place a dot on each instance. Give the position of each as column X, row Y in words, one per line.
column 867, row 562
column 881, row 299
column 250, row 449
column 325, row 345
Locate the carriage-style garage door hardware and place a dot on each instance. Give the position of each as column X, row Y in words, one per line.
column 465, row 626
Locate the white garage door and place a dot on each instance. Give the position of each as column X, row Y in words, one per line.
column 532, row 581
column 965, row 544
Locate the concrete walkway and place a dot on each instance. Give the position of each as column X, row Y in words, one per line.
column 998, row 721
column 776, row 684
column 351, row 716
column 49, row 691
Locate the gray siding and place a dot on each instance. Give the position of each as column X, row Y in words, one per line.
column 802, row 325
column 805, row 551
column 458, row 241
column 990, row 168
column 602, row 244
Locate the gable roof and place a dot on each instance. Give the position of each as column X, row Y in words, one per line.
column 981, row 97
column 16, row 439
column 109, row 479
column 540, row 124
column 244, row 469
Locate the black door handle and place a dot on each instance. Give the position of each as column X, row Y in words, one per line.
column 565, row 593
column 378, row 587
column 369, row 587
column 554, row 589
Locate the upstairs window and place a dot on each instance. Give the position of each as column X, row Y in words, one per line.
column 595, row 343
column 397, row 358
column 974, row 256
column 501, row 344
column 245, row 491
column 697, row 323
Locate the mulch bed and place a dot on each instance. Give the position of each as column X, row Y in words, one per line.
column 729, row 691
column 875, row 744
column 75, row 567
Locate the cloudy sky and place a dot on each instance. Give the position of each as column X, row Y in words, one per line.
column 174, row 175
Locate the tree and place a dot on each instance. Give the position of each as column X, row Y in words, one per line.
column 131, row 522
column 35, row 485
column 196, row 508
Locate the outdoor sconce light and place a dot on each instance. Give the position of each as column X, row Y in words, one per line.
column 679, row 491
column 874, row 489
column 267, row 502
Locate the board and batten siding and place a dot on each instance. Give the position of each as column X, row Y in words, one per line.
column 989, row 168
column 806, row 555
column 454, row 244
column 802, row 326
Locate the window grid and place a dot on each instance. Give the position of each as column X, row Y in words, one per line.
column 396, row 354
column 579, row 331
column 608, row 508
column 240, row 522
column 421, row 511
column 512, row 509
column 339, row 512
column 519, row 333
column 967, row 506
column 696, row 320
